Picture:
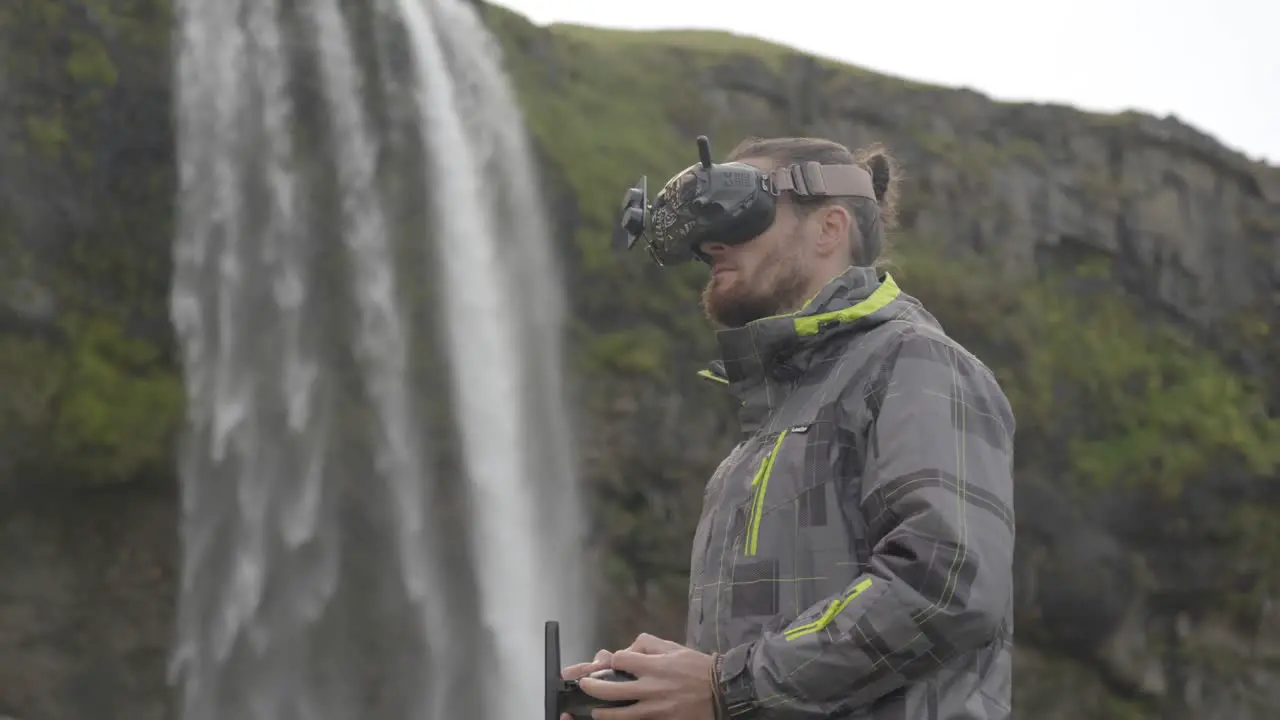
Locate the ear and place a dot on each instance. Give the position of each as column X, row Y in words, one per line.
column 834, row 223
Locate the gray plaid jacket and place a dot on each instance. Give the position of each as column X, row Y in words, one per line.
column 854, row 554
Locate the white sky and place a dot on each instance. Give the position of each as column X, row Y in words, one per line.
column 1213, row 63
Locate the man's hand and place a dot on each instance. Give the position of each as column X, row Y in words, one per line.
column 672, row 682
column 601, row 661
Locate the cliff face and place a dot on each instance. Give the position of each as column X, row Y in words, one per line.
column 1120, row 273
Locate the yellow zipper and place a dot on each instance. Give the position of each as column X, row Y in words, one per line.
column 830, row 613
column 760, row 483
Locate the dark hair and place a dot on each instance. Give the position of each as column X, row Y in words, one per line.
column 872, row 220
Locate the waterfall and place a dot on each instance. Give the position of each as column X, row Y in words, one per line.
column 380, row 505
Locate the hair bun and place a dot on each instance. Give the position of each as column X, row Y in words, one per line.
column 881, row 175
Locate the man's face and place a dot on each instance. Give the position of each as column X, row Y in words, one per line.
column 766, row 276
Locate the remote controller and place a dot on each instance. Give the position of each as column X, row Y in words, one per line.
column 564, row 696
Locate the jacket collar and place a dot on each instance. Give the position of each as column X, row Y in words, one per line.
column 761, row 360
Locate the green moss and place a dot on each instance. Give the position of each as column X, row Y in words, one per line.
column 1050, row 685
column 1257, row 524
column 1109, row 402
column 634, row 351
column 707, row 45
column 32, row 372
column 95, row 406
column 1114, row 707
column 1138, row 405
column 606, row 139
column 975, row 153
column 1097, row 267
column 88, row 63
column 48, row 135
column 606, row 114
column 118, row 404
column 714, row 46
column 1022, row 149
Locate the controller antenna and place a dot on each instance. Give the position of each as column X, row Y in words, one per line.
column 704, row 151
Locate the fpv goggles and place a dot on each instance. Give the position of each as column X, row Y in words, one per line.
column 728, row 203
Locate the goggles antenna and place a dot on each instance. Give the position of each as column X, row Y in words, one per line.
column 704, row 151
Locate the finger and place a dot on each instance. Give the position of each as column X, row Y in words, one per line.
column 636, row 663
column 599, row 662
column 611, row 690
column 573, row 672
column 653, row 645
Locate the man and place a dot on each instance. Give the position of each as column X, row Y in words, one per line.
column 853, row 558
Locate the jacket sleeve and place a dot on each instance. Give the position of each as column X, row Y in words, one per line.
column 937, row 495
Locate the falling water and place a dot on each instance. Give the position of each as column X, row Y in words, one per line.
column 379, row 499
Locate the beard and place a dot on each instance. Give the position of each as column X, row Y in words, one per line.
column 737, row 301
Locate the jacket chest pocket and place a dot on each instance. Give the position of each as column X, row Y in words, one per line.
column 787, row 477
column 767, row 577
column 800, row 504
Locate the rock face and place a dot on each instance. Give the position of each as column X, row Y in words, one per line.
column 88, row 593
column 1190, row 226
column 1119, row 273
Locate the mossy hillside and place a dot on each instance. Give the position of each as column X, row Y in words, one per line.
column 1114, row 406
column 93, row 394
column 607, row 110
column 67, row 59
column 606, row 107
column 609, row 105
column 1107, row 400
column 1042, row 680
column 1141, row 403
column 89, row 407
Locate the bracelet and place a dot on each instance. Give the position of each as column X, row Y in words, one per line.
column 736, row 692
column 717, row 695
